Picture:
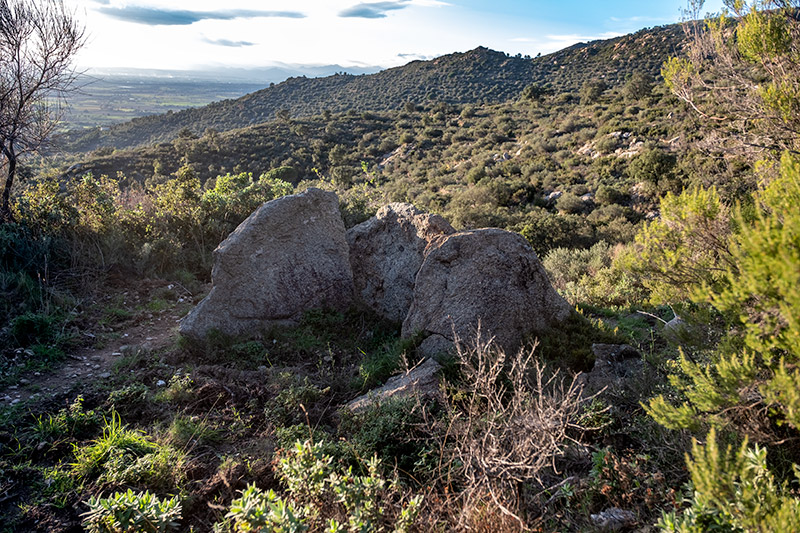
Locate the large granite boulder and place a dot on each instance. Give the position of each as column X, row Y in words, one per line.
column 288, row 257
column 487, row 276
column 386, row 253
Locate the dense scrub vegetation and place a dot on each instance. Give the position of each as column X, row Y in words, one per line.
column 455, row 79
column 664, row 232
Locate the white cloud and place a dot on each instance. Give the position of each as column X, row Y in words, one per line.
column 554, row 42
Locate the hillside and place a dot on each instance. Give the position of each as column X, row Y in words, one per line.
column 667, row 401
column 477, row 76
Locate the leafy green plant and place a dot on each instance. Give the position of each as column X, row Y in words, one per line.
column 321, row 495
column 73, row 421
column 129, row 512
column 123, row 455
column 257, row 511
column 734, row 490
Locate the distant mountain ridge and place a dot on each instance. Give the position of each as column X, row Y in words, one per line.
column 477, row 76
column 275, row 73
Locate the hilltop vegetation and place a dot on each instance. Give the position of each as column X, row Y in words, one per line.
column 478, row 76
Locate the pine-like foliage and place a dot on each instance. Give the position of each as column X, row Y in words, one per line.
column 759, row 286
column 734, row 490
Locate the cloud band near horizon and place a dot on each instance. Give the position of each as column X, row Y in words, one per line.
column 169, row 17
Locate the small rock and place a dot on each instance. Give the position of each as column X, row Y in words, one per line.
column 421, row 381
column 613, row 519
column 105, row 375
column 678, row 331
column 614, row 366
column 116, row 354
column 15, row 401
column 24, row 381
column 161, row 383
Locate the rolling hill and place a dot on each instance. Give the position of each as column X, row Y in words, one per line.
column 477, row 76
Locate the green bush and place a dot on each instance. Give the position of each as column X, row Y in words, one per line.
column 129, row 512
column 123, row 456
column 734, row 490
column 757, row 286
column 257, row 511
column 686, row 248
column 593, row 276
column 570, row 203
column 320, row 495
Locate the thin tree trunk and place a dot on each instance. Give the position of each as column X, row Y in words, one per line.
column 5, row 209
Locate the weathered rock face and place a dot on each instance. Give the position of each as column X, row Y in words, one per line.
column 421, row 382
column 288, row 257
column 489, row 276
column 386, row 253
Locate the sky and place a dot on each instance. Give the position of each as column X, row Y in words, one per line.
column 201, row 34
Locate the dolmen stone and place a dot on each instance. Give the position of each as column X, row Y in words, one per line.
column 489, row 277
column 288, row 257
column 386, row 253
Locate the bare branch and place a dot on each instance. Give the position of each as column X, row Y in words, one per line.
column 38, row 42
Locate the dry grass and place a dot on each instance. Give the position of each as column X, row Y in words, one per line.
column 509, row 423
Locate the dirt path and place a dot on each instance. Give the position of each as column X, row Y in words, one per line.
column 145, row 330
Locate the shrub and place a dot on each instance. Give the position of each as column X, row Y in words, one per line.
column 507, row 425
column 257, row 511
column 686, row 248
column 570, row 203
column 124, row 455
column 656, row 169
column 755, row 386
column 321, row 495
column 593, row 276
column 734, row 490
column 129, row 512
